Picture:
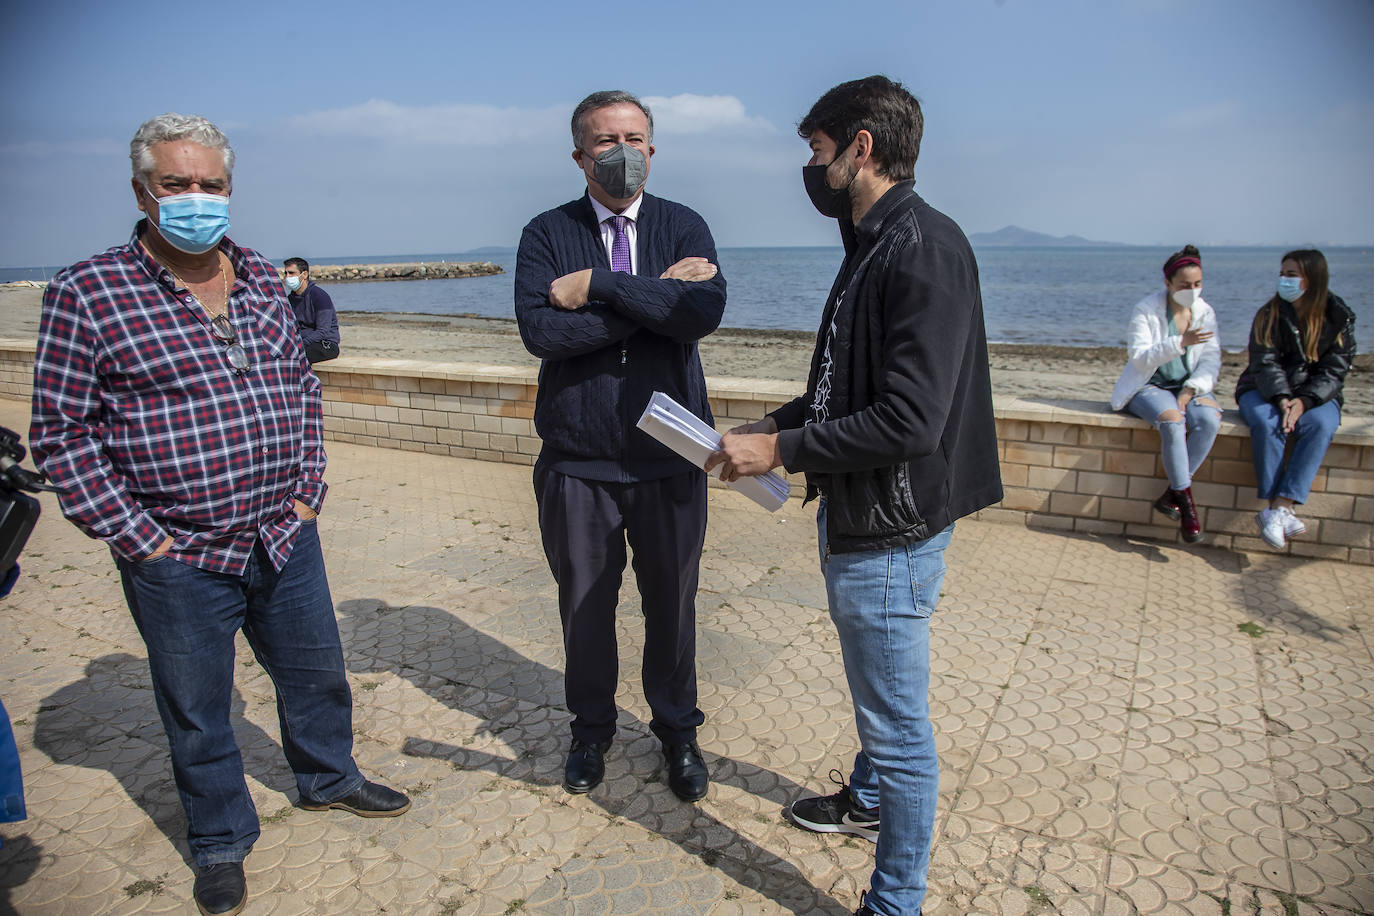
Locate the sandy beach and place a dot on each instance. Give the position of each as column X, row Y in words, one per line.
column 1018, row 370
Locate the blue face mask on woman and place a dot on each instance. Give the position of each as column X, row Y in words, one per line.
column 193, row 223
column 1290, row 288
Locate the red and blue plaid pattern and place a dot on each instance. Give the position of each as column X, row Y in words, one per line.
column 139, row 417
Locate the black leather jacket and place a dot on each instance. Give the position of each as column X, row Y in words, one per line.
column 909, row 443
column 1282, row 370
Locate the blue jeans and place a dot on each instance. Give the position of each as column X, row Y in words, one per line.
column 1311, row 436
column 881, row 602
column 1183, row 444
column 11, row 778
column 188, row 618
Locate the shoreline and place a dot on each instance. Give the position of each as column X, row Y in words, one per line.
column 1019, row 370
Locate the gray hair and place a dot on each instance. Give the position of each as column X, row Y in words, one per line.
column 170, row 127
column 603, row 99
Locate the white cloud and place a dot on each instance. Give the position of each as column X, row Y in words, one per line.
column 461, row 124
column 436, row 125
column 687, row 113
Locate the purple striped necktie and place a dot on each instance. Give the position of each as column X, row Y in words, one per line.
column 620, row 245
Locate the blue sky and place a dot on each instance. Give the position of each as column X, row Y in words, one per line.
column 415, row 128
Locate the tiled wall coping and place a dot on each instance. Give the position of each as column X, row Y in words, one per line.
column 1076, row 412
column 1066, row 464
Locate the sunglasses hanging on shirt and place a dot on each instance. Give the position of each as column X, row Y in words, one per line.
column 224, row 332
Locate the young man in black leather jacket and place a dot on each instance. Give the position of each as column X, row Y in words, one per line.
column 896, row 435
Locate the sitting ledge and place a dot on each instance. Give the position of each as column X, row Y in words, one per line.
column 1070, row 465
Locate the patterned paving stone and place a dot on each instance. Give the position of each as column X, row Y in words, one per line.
column 1211, row 678
column 1138, row 886
column 1332, row 873
column 1202, row 829
column 1103, row 561
column 1017, row 786
column 980, row 650
column 980, row 866
column 1190, row 752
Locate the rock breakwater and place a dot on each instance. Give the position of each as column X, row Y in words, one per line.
column 423, row 270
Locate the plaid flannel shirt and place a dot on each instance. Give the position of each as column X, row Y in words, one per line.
column 139, row 418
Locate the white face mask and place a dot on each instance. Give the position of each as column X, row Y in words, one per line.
column 293, row 283
column 1185, row 298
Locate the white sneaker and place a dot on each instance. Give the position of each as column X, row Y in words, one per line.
column 1292, row 525
column 1270, row 523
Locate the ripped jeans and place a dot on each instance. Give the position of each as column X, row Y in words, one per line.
column 1184, row 444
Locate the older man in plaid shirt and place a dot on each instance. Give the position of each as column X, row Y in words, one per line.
column 173, row 404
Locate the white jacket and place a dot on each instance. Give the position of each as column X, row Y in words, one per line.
column 1149, row 345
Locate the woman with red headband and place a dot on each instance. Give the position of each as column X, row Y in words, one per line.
column 1301, row 346
column 1173, row 359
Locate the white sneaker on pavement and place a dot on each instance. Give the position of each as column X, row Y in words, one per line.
column 1270, row 522
column 1292, row 525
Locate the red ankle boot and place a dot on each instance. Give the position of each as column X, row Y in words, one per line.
column 1167, row 505
column 1188, row 522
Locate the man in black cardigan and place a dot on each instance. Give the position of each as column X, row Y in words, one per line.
column 896, row 434
column 613, row 291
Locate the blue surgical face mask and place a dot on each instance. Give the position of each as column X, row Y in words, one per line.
column 293, row 283
column 193, row 223
column 1290, row 288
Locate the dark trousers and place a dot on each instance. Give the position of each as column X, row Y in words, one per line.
column 585, row 525
column 188, row 618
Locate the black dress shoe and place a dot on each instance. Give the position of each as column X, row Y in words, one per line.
column 370, row 800
column 586, row 766
column 221, row 890
column 687, row 775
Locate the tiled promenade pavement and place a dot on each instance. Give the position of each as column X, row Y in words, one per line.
column 1123, row 727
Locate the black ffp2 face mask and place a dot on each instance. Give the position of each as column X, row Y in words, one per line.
column 830, row 202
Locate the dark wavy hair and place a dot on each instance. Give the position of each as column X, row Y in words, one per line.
column 1311, row 305
column 880, row 106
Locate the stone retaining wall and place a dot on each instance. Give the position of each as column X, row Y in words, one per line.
column 1067, row 465
column 424, row 270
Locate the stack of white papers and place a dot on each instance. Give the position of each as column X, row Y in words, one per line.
column 679, row 429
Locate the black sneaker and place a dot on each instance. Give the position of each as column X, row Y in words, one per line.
column 866, row 910
column 837, row 813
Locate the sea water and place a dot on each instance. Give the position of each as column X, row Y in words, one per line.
column 1058, row 296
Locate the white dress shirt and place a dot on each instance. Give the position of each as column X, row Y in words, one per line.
column 608, row 230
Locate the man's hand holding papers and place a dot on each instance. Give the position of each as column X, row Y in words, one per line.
column 747, row 451
column 676, row 427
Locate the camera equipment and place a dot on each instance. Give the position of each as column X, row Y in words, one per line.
column 18, row 511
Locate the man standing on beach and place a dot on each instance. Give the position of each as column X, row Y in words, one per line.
column 613, row 291
column 316, row 319
column 174, row 407
column 896, row 435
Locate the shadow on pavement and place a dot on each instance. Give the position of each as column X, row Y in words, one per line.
column 442, row 655
column 1270, row 599
column 19, row 860
column 1263, row 591
column 109, row 721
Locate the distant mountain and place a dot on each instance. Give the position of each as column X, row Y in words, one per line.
column 1015, row 235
